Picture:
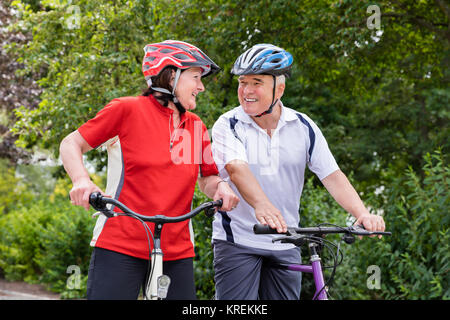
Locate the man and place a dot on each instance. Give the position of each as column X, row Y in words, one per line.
column 262, row 148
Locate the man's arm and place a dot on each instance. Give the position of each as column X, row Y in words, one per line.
column 242, row 177
column 343, row 192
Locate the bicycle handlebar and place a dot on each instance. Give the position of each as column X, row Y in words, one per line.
column 99, row 203
column 355, row 230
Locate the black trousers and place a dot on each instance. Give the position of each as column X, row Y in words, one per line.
column 116, row 276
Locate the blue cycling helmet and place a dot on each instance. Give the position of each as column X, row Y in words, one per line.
column 263, row 59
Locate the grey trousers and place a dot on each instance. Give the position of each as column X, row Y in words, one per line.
column 245, row 273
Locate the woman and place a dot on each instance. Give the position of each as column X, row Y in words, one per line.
column 156, row 151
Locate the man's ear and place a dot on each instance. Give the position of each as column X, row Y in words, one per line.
column 279, row 91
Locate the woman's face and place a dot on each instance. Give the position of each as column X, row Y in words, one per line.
column 188, row 87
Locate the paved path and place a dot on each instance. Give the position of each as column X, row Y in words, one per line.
column 17, row 290
column 15, row 295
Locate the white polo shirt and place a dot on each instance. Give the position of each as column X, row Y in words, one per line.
column 277, row 162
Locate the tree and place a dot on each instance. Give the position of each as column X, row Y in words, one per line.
column 358, row 84
column 17, row 87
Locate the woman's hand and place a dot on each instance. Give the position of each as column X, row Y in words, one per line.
column 82, row 188
column 229, row 198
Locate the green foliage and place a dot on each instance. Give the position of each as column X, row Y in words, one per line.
column 417, row 214
column 38, row 243
column 358, row 84
column 414, row 261
column 203, row 262
column 13, row 191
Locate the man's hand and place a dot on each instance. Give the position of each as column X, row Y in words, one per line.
column 371, row 222
column 267, row 214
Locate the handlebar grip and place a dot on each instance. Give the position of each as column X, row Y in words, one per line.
column 95, row 200
column 360, row 230
column 263, row 229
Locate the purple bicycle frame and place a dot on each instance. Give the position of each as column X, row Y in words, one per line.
column 316, row 269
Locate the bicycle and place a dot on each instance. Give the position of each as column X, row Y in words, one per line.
column 157, row 283
column 314, row 237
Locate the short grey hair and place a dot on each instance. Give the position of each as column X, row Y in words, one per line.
column 281, row 79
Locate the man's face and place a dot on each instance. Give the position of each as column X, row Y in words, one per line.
column 255, row 93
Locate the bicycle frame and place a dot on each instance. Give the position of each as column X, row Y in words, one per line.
column 316, row 269
column 152, row 291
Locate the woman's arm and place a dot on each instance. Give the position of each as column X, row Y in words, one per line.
column 215, row 188
column 71, row 150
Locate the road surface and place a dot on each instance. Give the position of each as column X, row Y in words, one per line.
column 17, row 290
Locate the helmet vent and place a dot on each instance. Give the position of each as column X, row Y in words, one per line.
column 182, row 56
column 150, row 49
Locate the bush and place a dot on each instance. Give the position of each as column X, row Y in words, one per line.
column 13, row 191
column 39, row 243
column 414, row 262
column 203, row 262
column 417, row 214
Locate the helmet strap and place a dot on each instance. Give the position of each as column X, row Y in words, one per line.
column 274, row 102
column 172, row 95
column 175, row 81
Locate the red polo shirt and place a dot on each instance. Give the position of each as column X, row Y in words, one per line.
column 152, row 169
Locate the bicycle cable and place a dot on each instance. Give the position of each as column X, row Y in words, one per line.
column 151, row 263
column 327, row 244
column 330, row 279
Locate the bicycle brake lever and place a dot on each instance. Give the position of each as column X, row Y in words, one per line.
column 298, row 240
column 359, row 230
column 210, row 212
column 95, row 200
column 107, row 213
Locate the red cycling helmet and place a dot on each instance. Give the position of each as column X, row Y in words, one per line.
column 179, row 54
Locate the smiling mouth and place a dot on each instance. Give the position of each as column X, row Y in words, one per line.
column 250, row 100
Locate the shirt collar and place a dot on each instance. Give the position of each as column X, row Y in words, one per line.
column 287, row 114
column 165, row 110
column 242, row 116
